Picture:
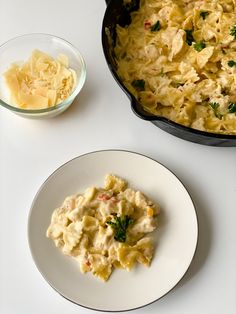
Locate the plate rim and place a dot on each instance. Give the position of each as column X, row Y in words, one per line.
column 100, row 151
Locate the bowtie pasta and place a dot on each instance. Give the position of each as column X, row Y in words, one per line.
column 178, row 58
column 105, row 228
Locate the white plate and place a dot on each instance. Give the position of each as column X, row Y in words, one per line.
column 176, row 237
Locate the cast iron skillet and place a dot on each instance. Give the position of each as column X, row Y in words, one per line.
column 118, row 13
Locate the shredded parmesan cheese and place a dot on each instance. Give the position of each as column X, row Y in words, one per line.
column 41, row 82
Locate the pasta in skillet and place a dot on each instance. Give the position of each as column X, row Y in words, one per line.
column 178, row 58
column 105, row 228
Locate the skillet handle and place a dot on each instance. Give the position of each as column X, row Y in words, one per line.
column 142, row 114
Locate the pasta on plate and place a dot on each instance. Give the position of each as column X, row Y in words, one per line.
column 106, row 228
column 178, row 58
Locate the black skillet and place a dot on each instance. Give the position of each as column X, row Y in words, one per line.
column 118, row 13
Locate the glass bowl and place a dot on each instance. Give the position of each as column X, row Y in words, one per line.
column 19, row 49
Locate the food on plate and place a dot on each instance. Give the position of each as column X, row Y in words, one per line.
column 178, row 58
column 106, row 228
column 40, row 82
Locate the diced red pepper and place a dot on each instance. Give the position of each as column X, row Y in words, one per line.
column 147, row 24
column 104, row 197
column 88, row 263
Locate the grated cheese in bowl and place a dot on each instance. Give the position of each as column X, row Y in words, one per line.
column 40, row 75
column 40, row 82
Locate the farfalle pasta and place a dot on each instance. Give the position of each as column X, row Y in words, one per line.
column 178, row 58
column 106, row 228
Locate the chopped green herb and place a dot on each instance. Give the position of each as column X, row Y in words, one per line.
column 139, row 85
column 156, row 27
column 189, row 36
column 162, row 72
column 231, row 63
column 233, row 31
column 215, row 107
column 204, row 14
column 120, row 225
column 199, row 46
column 232, row 107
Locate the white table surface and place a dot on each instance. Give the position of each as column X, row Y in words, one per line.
column 101, row 118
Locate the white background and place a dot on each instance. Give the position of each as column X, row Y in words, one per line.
column 101, row 118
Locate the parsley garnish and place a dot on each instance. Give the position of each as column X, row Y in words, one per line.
column 139, row 85
column 120, row 225
column 233, row 31
column 156, row 27
column 204, row 14
column 232, row 107
column 189, row 36
column 231, row 63
column 215, row 107
column 199, row 46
